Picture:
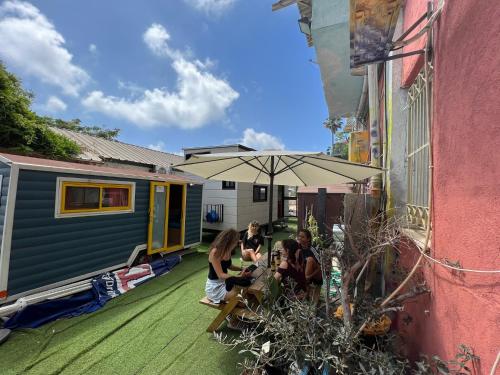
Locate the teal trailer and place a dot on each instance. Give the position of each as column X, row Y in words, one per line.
column 64, row 222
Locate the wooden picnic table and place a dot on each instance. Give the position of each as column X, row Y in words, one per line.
column 233, row 306
column 260, row 275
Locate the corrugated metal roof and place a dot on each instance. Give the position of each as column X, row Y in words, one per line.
column 28, row 162
column 100, row 149
column 236, row 145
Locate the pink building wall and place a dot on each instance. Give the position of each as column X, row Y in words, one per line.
column 413, row 10
column 463, row 308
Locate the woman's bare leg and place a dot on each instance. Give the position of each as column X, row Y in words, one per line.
column 246, row 255
column 249, row 255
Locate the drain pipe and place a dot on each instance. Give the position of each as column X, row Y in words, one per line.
column 376, row 181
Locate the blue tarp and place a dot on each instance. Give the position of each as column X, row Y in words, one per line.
column 104, row 288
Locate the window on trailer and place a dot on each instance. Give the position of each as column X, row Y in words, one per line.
column 228, row 185
column 259, row 193
column 81, row 198
column 92, row 197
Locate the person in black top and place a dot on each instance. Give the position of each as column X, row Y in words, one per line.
column 292, row 267
column 219, row 262
column 251, row 243
column 312, row 267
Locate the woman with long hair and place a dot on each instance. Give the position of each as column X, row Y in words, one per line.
column 312, row 267
column 219, row 262
column 291, row 266
column 251, row 243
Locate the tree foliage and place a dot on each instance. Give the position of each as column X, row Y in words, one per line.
column 22, row 130
column 341, row 146
column 76, row 126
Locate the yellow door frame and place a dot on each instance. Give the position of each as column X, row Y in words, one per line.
column 165, row 248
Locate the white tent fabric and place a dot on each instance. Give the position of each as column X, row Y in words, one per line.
column 293, row 168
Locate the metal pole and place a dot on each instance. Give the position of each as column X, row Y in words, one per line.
column 270, row 222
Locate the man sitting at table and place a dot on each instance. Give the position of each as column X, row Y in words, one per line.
column 251, row 243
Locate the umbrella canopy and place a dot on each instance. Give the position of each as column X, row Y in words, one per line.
column 293, row 168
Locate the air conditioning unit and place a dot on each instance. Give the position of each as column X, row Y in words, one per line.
column 163, row 169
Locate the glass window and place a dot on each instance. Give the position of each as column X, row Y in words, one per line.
column 81, row 197
column 260, row 193
column 228, row 185
column 115, row 197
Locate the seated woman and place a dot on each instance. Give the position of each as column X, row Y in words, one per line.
column 312, row 268
column 291, row 266
column 219, row 262
column 251, row 243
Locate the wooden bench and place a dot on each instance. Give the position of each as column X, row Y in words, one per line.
column 229, row 308
column 235, row 305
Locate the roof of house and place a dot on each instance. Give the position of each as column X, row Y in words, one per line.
column 99, row 149
column 221, row 146
column 28, row 162
column 330, row 189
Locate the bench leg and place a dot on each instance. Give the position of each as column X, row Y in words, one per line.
column 230, row 305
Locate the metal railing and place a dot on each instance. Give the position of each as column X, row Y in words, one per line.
column 213, row 213
column 417, row 207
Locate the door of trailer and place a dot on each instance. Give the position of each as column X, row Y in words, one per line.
column 167, row 216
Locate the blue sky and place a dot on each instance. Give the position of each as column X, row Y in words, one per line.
column 170, row 74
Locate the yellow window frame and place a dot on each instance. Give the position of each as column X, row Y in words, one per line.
column 165, row 248
column 101, row 186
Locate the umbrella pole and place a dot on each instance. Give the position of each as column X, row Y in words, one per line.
column 270, row 221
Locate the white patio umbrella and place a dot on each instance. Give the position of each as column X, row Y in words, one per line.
column 293, row 168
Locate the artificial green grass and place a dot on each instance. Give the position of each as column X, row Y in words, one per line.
column 156, row 328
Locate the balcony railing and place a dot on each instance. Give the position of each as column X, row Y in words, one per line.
column 213, row 213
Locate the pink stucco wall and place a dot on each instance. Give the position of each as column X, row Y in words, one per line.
column 463, row 308
column 412, row 65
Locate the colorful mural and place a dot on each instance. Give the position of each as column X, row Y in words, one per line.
column 359, row 147
column 371, row 27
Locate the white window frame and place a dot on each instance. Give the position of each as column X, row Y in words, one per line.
column 59, row 186
column 417, row 152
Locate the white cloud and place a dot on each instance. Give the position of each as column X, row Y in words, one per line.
column 159, row 146
column 156, row 38
column 54, row 104
column 30, row 42
column 200, row 98
column 133, row 88
column 261, row 141
column 93, row 48
column 211, row 6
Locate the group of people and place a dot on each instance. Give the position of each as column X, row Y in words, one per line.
column 299, row 265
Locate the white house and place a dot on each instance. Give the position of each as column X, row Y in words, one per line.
column 229, row 204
